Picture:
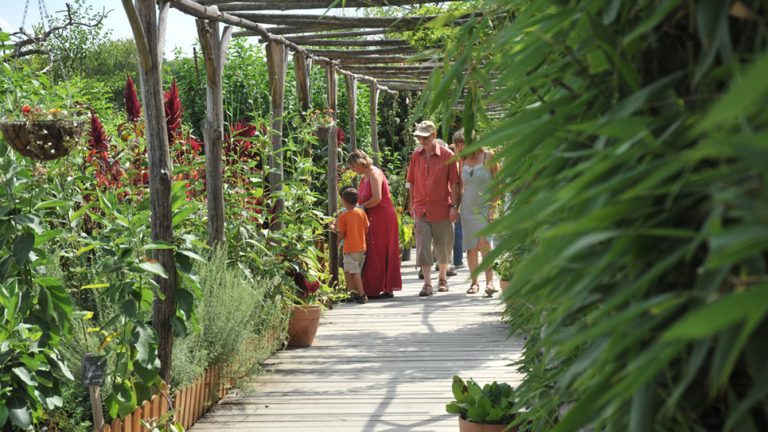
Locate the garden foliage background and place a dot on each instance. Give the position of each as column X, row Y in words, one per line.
column 76, row 272
column 634, row 153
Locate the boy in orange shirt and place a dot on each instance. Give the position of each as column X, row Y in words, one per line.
column 352, row 226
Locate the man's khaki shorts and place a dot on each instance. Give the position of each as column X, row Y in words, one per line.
column 437, row 234
column 353, row 262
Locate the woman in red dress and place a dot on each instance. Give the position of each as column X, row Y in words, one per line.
column 381, row 271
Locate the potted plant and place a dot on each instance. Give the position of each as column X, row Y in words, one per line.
column 405, row 227
column 306, row 308
column 42, row 134
column 487, row 409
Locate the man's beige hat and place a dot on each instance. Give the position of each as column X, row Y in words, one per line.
column 425, row 128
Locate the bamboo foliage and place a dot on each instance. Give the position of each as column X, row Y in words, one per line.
column 634, row 153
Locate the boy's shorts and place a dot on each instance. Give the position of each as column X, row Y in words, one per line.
column 353, row 262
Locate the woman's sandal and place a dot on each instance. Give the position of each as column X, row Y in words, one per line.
column 490, row 290
column 474, row 288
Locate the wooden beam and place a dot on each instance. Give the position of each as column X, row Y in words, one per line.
column 325, row 35
column 374, row 60
column 307, row 26
column 214, row 49
column 345, row 54
column 301, row 65
column 336, row 20
column 276, row 60
column 349, row 42
column 351, row 83
column 148, row 28
column 245, row 5
column 331, row 85
column 411, row 67
column 211, row 12
column 374, row 122
column 329, row 133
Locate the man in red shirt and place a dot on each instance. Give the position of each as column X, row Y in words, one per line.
column 434, row 179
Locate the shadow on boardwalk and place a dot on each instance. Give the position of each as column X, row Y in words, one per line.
column 383, row 366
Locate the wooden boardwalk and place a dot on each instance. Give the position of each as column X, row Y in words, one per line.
column 383, row 366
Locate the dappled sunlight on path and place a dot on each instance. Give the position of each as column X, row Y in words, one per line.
column 361, row 375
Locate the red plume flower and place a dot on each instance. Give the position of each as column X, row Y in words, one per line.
column 340, row 135
column 132, row 105
column 98, row 140
column 173, row 112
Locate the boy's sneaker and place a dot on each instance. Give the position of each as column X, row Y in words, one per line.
column 362, row 299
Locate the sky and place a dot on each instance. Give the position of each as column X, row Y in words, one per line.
column 180, row 33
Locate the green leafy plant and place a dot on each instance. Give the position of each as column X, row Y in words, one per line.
column 633, row 134
column 494, row 403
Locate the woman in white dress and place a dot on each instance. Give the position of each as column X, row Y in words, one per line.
column 476, row 210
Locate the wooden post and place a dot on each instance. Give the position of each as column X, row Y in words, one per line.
column 374, row 122
column 214, row 52
column 148, row 25
column 329, row 136
column 302, row 65
column 276, row 59
column 93, row 367
column 330, row 75
column 352, row 104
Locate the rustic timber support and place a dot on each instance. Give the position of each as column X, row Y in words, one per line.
column 148, row 25
column 374, row 122
column 214, row 49
column 351, row 83
column 333, row 201
column 276, row 59
column 302, row 65
column 330, row 75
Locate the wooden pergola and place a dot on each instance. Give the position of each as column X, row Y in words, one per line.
column 381, row 63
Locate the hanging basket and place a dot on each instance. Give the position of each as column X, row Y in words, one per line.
column 43, row 139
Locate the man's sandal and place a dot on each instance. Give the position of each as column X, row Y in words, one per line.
column 474, row 288
column 442, row 285
column 426, row 291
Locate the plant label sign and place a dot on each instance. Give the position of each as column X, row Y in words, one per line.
column 93, row 370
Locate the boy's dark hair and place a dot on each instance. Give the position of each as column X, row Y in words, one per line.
column 349, row 194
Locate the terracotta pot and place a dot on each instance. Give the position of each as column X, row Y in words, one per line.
column 302, row 327
column 465, row 426
column 503, row 284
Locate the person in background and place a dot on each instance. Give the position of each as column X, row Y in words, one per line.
column 381, row 274
column 352, row 227
column 434, row 180
column 458, row 251
column 476, row 208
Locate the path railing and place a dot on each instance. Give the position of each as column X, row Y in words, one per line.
column 190, row 403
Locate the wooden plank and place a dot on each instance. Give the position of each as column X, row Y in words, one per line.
column 146, row 412
column 117, row 425
column 136, row 419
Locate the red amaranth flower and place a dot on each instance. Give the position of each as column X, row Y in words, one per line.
column 98, row 140
column 340, row 135
column 132, row 105
column 172, row 112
